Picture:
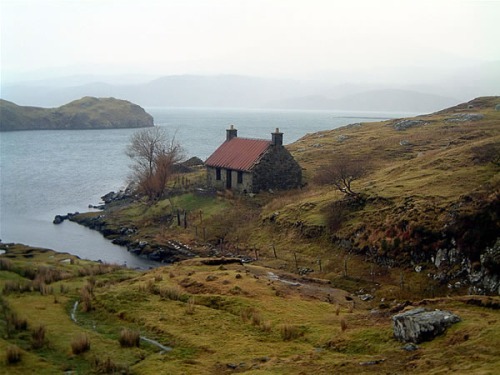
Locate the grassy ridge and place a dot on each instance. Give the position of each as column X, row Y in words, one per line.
column 85, row 113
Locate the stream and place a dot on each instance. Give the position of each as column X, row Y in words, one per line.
column 143, row 338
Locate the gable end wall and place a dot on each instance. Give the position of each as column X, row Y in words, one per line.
column 277, row 169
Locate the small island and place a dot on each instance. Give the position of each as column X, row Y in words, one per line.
column 85, row 113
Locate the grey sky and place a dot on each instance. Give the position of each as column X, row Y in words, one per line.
column 289, row 38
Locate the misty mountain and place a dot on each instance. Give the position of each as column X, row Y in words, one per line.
column 237, row 91
column 374, row 100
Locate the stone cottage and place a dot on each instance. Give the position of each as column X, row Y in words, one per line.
column 252, row 165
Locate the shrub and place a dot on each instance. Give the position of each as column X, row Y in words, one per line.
column 12, row 286
column 266, row 326
column 63, row 289
column 13, row 354
column 38, row 337
column 80, row 344
column 5, row 264
column 129, row 338
column 86, row 298
column 107, row 366
column 250, row 314
column 343, row 325
column 190, row 306
column 13, row 320
column 290, row 332
column 48, row 275
column 173, row 293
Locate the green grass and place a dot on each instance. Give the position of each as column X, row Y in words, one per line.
column 270, row 327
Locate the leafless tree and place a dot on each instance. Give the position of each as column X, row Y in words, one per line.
column 341, row 172
column 153, row 154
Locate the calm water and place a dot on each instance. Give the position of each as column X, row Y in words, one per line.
column 45, row 173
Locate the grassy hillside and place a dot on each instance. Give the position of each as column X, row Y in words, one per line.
column 214, row 319
column 85, row 113
column 429, row 201
column 326, row 271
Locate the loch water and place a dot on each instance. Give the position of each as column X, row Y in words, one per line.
column 49, row 172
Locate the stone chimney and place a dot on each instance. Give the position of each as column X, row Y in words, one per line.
column 277, row 138
column 231, row 133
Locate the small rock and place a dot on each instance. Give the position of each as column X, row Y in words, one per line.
column 406, row 124
column 410, row 347
column 463, row 117
column 366, row 297
column 371, row 363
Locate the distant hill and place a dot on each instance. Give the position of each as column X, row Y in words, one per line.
column 237, row 91
column 373, row 100
column 84, row 113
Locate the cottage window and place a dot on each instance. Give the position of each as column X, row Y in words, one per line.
column 217, row 174
column 240, row 177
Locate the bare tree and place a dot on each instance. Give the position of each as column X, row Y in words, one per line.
column 153, row 154
column 341, row 173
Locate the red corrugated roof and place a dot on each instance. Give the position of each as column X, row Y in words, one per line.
column 238, row 154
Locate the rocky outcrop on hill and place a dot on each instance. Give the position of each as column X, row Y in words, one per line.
column 85, row 113
column 420, row 325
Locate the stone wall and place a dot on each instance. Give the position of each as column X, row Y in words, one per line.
column 278, row 170
column 244, row 186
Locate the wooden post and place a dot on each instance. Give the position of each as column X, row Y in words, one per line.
column 185, row 219
column 319, row 263
column 274, row 251
column 345, row 266
column 256, row 253
column 296, row 262
column 178, row 218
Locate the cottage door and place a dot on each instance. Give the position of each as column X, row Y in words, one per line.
column 229, row 173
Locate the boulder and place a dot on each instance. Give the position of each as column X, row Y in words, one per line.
column 420, row 324
column 58, row 219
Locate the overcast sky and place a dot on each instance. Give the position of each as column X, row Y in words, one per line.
column 285, row 38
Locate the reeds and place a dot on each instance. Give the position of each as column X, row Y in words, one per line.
column 129, row 338
column 80, row 344
column 13, row 354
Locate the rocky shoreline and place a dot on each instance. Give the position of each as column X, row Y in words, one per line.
column 168, row 252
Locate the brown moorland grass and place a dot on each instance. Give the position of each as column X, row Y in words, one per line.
column 310, row 327
column 215, row 338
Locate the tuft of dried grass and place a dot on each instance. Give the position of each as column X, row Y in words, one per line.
column 190, row 306
column 129, row 338
column 13, row 354
column 80, row 344
column 13, row 320
column 108, row 366
column 289, row 332
column 86, row 299
column 250, row 314
column 343, row 325
column 173, row 293
column 38, row 339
